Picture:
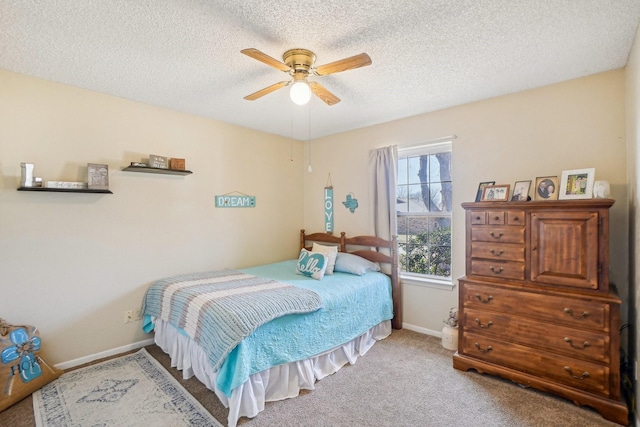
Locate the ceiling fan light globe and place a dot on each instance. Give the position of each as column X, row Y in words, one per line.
column 300, row 93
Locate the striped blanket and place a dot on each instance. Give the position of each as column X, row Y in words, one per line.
column 219, row 309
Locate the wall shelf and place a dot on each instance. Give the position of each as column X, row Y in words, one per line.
column 65, row 190
column 146, row 169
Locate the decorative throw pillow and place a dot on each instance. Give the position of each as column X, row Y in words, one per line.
column 22, row 368
column 311, row 264
column 332, row 253
column 353, row 264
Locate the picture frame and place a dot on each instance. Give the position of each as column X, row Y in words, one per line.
column 577, row 184
column 546, row 188
column 158, row 162
column 481, row 188
column 496, row 193
column 97, row 176
column 521, row 191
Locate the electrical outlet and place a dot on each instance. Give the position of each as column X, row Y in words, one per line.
column 137, row 314
column 128, row 316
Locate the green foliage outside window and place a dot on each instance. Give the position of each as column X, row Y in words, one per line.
column 428, row 253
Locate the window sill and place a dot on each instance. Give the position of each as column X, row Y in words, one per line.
column 445, row 285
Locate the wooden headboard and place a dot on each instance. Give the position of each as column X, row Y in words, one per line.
column 367, row 247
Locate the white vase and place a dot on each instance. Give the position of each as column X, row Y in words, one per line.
column 601, row 189
column 450, row 338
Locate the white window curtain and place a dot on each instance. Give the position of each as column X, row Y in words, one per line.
column 384, row 165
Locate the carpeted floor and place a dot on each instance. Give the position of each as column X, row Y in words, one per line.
column 405, row 380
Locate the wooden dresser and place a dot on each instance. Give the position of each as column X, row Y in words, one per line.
column 535, row 305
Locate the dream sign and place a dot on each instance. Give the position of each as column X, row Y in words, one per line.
column 228, row 201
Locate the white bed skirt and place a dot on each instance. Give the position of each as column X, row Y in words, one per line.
column 278, row 383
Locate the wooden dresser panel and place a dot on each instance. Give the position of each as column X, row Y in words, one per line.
column 535, row 305
column 581, row 344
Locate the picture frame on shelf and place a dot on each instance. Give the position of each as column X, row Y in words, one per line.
column 521, row 191
column 496, row 193
column 97, row 176
column 481, row 188
column 159, row 162
column 177, row 164
column 577, row 184
column 546, row 188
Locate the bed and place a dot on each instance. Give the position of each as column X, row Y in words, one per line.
column 327, row 322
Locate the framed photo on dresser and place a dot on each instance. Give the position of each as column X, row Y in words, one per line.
column 495, row 193
column 547, row 188
column 481, row 188
column 577, row 184
column 521, row 191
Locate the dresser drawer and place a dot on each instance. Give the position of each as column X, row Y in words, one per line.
column 497, row 234
column 565, row 370
column 498, row 251
column 570, row 312
column 506, row 270
column 577, row 343
column 497, row 217
column 515, row 217
column 478, row 218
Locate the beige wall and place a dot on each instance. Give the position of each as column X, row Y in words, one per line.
column 571, row 125
column 633, row 141
column 71, row 264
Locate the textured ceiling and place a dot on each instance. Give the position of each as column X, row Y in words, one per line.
column 427, row 55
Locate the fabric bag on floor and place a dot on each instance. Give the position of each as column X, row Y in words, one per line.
column 22, row 368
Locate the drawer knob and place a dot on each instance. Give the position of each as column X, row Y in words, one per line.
column 496, row 236
column 496, row 270
column 496, row 253
column 584, row 314
column 486, row 301
column 497, row 218
column 578, row 347
column 487, row 350
column 488, row 325
column 515, row 218
column 478, row 218
column 584, row 375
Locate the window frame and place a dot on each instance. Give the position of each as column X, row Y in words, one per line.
column 440, row 145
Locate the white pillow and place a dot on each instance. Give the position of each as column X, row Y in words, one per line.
column 311, row 264
column 353, row 264
column 330, row 251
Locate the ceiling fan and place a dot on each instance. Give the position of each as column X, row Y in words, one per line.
column 299, row 64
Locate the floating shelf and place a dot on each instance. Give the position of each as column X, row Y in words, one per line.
column 65, row 190
column 146, row 169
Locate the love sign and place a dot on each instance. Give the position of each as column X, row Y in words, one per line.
column 328, row 209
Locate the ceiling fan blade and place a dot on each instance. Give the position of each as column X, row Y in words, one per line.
column 267, row 90
column 350, row 63
column 322, row 93
column 263, row 57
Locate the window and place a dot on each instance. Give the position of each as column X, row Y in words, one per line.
column 423, row 205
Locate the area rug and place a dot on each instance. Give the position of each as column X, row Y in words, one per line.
column 132, row 390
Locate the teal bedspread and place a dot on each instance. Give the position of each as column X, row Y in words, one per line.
column 218, row 309
column 351, row 306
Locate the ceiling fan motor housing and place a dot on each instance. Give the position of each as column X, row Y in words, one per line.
column 300, row 60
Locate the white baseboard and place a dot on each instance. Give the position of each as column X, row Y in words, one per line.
column 422, row 330
column 107, row 353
